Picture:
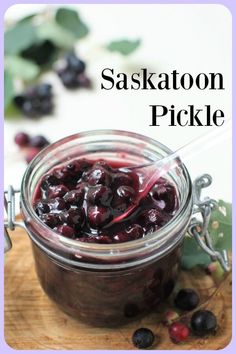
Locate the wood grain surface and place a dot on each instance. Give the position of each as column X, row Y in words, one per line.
column 32, row 321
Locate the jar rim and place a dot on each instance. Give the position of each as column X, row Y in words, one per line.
column 93, row 247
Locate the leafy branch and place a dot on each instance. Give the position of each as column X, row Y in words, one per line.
column 36, row 41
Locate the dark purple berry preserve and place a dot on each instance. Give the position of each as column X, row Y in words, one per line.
column 78, row 200
column 81, row 199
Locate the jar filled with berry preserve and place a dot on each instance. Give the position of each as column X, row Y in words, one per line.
column 103, row 272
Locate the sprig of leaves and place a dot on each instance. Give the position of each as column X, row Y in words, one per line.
column 220, row 229
column 52, row 33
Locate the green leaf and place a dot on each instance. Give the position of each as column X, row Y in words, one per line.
column 220, row 229
column 8, row 88
column 220, row 226
column 70, row 20
column 21, row 68
column 27, row 18
column 55, row 33
column 223, row 213
column 193, row 255
column 19, row 37
column 124, row 46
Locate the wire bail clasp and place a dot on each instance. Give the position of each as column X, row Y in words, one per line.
column 199, row 229
column 10, row 221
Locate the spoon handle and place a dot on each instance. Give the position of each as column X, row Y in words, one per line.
column 202, row 143
column 185, row 153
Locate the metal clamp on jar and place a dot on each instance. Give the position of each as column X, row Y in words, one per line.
column 199, row 228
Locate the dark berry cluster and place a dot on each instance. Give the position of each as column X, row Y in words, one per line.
column 80, row 199
column 72, row 72
column 36, row 101
column 30, row 145
column 202, row 322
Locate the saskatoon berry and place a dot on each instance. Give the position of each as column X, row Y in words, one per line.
column 51, row 220
column 41, row 208
column 46, row 107
column 122, row 179
column 72, row 73
column 203, row 322
column 135, row 231
column 71, row 168
column 31, row 92
column 58, row 191
column 76, row 217
column 49, row 181
column 126, row 192
column 165, row 195
column 44, row 90
column 22, row 139
column 143, row 338
column 69, row 79
column 39, row 141
column 119, row 204
column 99, row 195
column 151, row 217
column 75, row 197
column 36, row 101
column 31, row 153
column 187, row 299
column 65, row 230
column 57, row 204
column 32, row 107
column 98, row 176
column 84, row 165
column 98, row 216
column 178, row 332
column 74, row 63
column 62, row 174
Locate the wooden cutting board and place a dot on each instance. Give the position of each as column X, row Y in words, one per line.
column 32, row 321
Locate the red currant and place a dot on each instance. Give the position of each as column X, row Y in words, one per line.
column 178, row 332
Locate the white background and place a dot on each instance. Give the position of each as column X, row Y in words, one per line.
column 188, row 38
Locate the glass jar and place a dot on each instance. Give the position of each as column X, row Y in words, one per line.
column 106, row 284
